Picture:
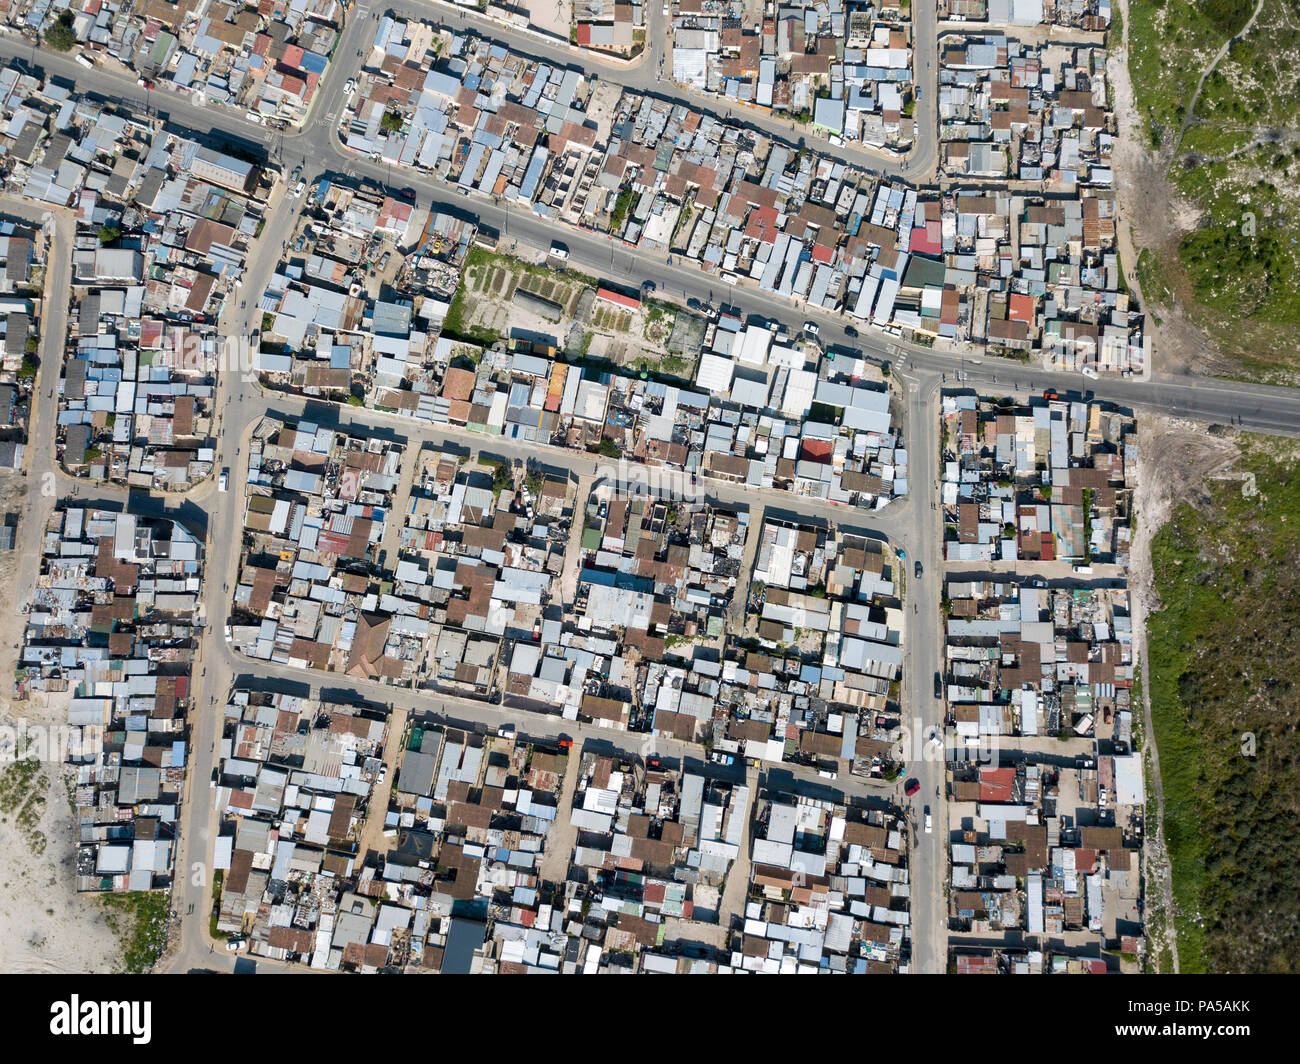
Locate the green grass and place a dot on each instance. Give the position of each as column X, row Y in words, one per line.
column 22, row 798
column 1168, row 41
column 621, row 206
column 139, row 919
column 1238, row 271
column 1222, row 651
column 1151, row 279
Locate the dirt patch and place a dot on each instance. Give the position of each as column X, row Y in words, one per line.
column 45, row 925
column 1177, row 460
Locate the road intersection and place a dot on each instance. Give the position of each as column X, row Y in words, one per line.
column 912, row 523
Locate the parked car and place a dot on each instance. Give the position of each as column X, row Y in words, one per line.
column 234, row 945
column 911, row 786
column 810, row 327
column 938, row 685
column 350, row 86
column 559, row 251
column 506, row 731
column 299, row 189
column 223, row 481
column 916, row 569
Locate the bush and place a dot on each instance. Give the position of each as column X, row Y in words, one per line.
column 59, row 36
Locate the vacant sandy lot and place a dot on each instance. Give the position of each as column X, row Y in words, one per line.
column 552, row 16
column 45, row 926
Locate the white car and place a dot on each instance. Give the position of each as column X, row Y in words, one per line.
column 299, row 189
column 506, row 731
column 1088, row 371
column 253, row 116
column 559, row 251
column 810, row 327
column 929, row 824
column 234, row 945
column 223, row 481
column 350, row 87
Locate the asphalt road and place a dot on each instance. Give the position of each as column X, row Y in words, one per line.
column 912, row 524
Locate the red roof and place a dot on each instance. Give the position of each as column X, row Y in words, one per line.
column 762, row 225
column 817, row 450
column 821, row 253
column 995, row 784
column 584, row 34
column 618, row 298
column 1021, row 308
column 928, row 239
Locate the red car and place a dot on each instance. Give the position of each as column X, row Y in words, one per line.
column 912, row 786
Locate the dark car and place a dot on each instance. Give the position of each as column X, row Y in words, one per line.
column 911, row 786
column 849, row 330
column 408, row 194
column 916, row 569
column 938, row 685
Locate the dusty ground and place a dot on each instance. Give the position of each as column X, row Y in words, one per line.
column 552, row 16
column 45, row 926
